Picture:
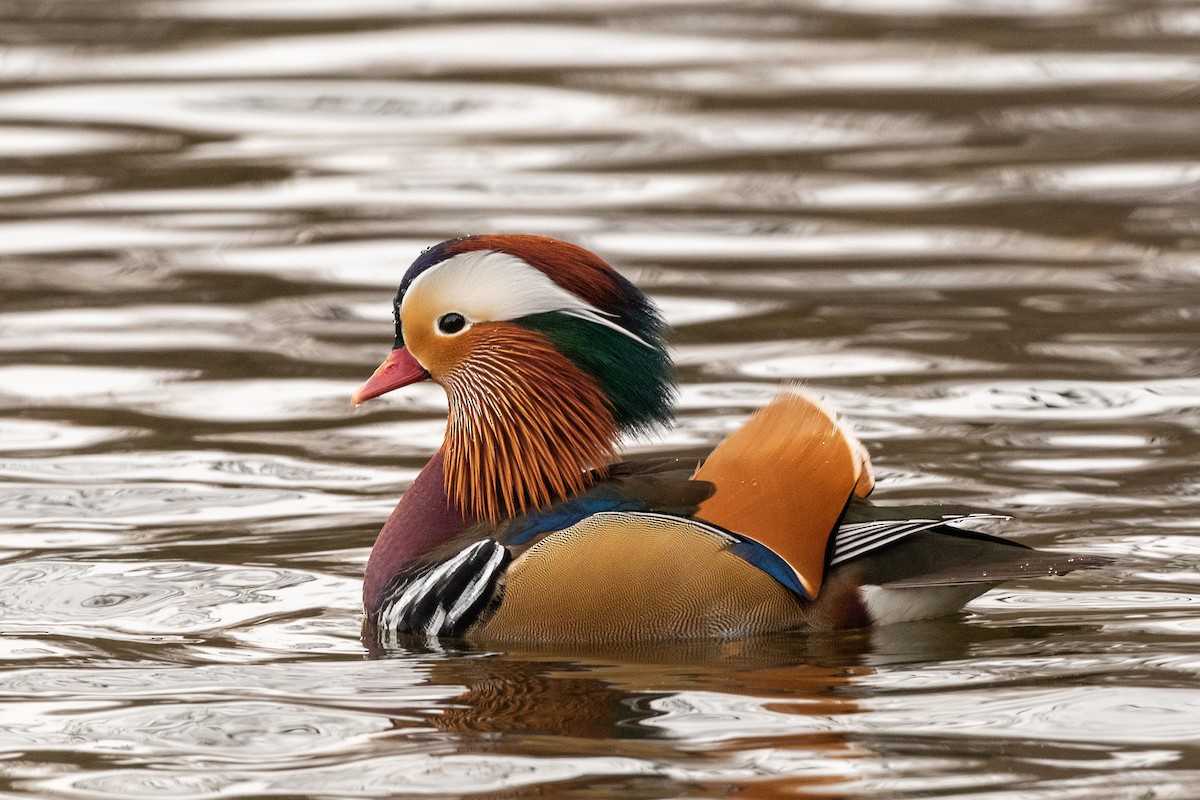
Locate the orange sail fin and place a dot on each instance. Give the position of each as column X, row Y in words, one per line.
column 784, row 478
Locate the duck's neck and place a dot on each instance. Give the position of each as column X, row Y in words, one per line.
column 423, row 519
column 523, row 432
column 526, row 427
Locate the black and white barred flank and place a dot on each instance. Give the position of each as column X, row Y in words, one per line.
column 445, row 599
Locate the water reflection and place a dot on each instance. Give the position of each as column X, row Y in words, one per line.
column 718, row 709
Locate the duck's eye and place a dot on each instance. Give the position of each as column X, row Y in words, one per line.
column 451, row 323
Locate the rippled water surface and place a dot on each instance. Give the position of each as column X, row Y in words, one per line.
column 972, row 225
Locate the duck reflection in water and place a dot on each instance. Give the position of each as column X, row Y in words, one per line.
column 765, row 716
column 641, row 702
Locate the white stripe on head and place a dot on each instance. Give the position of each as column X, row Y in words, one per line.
column 491, row 286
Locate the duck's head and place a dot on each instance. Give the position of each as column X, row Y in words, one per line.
column 547, row 356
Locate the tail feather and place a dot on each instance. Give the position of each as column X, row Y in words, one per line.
column 949, row 556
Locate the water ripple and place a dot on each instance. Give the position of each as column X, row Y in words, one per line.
column 823, row 242
column 229, row 732
column 427, row 50
column 212, row 468
column 1091, row 713
column 323, row 107
column 21, row 435
column 807, row 360
column 135, row 600
column 135, row 505
column 942, row 72
column 363, row 685
column 33, row 141
column 420, row 775
column 1048, row 400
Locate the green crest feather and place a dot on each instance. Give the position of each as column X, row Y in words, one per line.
column 636, row 377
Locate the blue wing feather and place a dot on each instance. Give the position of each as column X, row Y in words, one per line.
column 565, row 514
column 766, row 559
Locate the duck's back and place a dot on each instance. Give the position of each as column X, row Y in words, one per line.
column 753, row 553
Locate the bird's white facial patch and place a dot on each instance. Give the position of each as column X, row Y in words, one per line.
column 490, row 286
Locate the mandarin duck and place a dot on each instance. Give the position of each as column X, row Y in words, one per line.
column 524, row 526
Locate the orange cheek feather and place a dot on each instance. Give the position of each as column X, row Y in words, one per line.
column 439, row 354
